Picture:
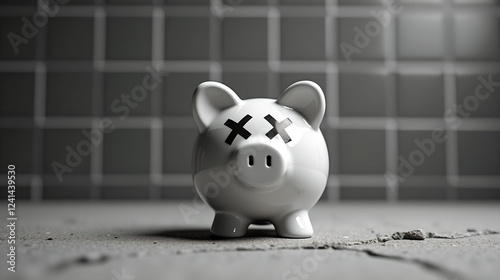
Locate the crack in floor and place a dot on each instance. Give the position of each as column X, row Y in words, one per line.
column 99, row 258
column 446, row 273
column 410, row 235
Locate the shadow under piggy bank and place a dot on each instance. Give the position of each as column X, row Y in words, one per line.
column 203, row 234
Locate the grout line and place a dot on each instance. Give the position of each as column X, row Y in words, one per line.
column 158, row 46
column 158, row 32
column 451, row 144
column 99, row 61
column 331, row 34
column 273, row 51
column 391, row 132
column 100, row 39
column 391, row 146
column 450, row 96
column 40, row 94
column 40, row 98
column 273, row 39
column 96, row 163
column 156, row 156
column 215, row 46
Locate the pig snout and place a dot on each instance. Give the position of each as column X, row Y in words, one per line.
column 260, row 165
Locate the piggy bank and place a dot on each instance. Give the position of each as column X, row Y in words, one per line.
column 260, row 161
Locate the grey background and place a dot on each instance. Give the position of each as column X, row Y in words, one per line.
column 393, row 92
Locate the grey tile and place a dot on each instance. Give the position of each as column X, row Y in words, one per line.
column 371, row 47
column 66, row 192
column 302, row 2
column 420, row 95
column 128, row 38
column 177, row 150
column 479, row 152
column 486, row 107
column 125, row 192
column 247, row 85
column 420, row 36
column 422, row 193
column 129, row 2
column 244, row 38
column 61, row 146
column 127, row 151
column 124, row 95
column 363, row 193
column 286, row 79
column 362, row 151
column 476, row 36
column 417, row 151
column 69, row 94
column 178, row 92
column 14, row 45
column 302, row 38
column 476, row 193
column 70, row 39
column 187, row 2
column 362, row 94
column 17, row 93
column 187, row 38
column 178, row 193
column 16, row 147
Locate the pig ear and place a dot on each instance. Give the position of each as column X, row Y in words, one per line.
column 306, row 98
column 209, row 99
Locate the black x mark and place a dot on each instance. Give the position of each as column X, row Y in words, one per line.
column 278, row 128
column 237, row 128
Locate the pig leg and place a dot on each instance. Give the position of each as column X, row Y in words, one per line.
column 294, row 225
column 229, row 225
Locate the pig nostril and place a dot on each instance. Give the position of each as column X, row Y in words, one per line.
column 250, row 160
column 268, row 161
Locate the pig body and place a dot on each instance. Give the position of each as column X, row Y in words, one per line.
column 260, row 160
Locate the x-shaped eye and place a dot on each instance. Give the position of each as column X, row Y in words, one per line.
column 278, row 128
column 237, row 129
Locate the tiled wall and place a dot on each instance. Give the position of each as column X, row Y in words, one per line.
column 400, row 81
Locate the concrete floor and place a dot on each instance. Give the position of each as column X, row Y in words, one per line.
column 153, row 240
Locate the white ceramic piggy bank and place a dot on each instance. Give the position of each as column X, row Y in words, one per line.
column 260, row 160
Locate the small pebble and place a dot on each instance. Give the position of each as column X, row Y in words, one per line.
column 416, row 234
